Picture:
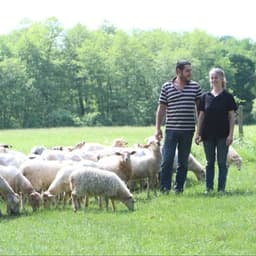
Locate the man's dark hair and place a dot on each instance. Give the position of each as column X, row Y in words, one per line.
column 181, row 64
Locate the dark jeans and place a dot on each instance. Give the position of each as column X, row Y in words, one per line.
column 181, row 140
column 210, row 148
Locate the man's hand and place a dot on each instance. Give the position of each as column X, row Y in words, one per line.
column 159, row 135
column 198, row 139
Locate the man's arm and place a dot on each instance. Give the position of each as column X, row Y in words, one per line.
column 160, row 115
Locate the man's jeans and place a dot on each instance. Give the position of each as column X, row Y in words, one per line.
column 210, row 146
column 181, row 140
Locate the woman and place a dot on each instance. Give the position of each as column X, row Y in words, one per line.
column 215, row 127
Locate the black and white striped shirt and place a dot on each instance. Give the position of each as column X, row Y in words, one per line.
column 180, row 114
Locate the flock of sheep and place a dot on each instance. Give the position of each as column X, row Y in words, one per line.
column 55, row 175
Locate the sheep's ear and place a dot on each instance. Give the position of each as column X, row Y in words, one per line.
column 118, row 153
column 133, row 152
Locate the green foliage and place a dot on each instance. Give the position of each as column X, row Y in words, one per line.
column 107, row 76
column 60, row 117
column 189, row 224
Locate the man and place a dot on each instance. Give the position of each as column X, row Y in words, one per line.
column 177, row 102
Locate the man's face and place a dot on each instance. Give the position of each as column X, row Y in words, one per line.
column 186, row 73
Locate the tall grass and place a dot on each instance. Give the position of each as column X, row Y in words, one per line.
column 189, row 224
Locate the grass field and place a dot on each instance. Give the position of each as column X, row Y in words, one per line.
column 188, row 224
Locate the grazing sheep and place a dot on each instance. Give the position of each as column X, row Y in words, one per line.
column 196, row 168
column 120, row 163
column 11, row 198
column 147, row 165
column 41, row 173
column 61, row 182
column 20, row 184
column 98, row 182
column 234, row 158
column 193, row 166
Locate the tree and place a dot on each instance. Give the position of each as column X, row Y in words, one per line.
column 244, row 82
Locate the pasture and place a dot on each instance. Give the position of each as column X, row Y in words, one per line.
column 189, row 224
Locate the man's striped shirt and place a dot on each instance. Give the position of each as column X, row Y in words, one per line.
column 180, row 114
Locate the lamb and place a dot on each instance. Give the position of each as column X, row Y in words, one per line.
column 11, row 198
column 98, row 182
column 41, row 173
column 61, row 182
column 20, row 184
column 120, row 163
column 234, row 158
column 147, row 165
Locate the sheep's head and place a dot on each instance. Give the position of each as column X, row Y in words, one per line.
column 237, row 161
column 13, row 204
column 152, row 140
column 129, row 202
column 47, row 198
column 125, row 155
column 119, row 142
column 35, row 200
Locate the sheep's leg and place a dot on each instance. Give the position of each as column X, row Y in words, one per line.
column 113, row 204
column 66, row 196
column 22, row 202
column 86, row 201
column 75, row 202
column 106, row 201
column 148, row 181
column 79, row 200
column 153, row 182
column 100, row 202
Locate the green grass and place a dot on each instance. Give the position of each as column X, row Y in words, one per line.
column 189, row 224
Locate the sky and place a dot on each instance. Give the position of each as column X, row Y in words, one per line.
column 235, row 18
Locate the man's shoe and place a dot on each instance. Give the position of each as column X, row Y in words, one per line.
column 208, row 191
column 165, row 191
column 178, row 191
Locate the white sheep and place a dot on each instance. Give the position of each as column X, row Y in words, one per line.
column 234, row 158
column 11, row 198
column 91, row 146
column 98, row 182
column 120, row 163
column 60, row 155
column 60, row 183
column 41, row 173
column 20, row 184
column 146, row 164
column 12, row 157
column 193, row 166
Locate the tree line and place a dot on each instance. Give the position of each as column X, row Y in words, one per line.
column 51, row 76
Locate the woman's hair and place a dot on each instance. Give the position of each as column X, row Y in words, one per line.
column 219, row 72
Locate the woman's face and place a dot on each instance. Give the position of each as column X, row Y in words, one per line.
column 215, row 80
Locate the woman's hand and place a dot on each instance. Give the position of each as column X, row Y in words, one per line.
column 229, row 140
